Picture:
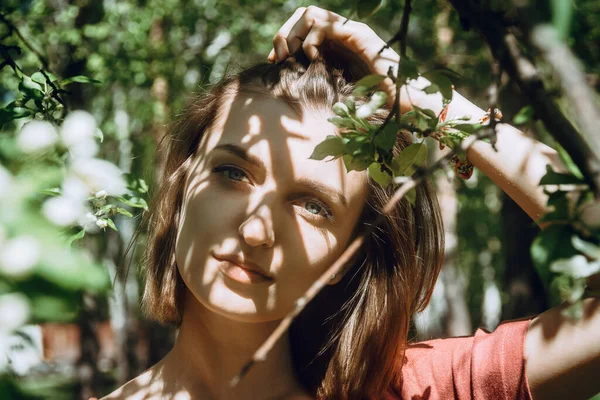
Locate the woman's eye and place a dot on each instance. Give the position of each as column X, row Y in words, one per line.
column 232, row 173
column 316, row 208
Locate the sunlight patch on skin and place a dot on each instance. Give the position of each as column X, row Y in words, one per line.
column 254, row 127
column 294, row 127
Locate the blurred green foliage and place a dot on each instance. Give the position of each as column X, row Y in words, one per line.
column 149, row 55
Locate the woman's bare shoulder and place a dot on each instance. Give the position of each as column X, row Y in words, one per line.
column 143, row 387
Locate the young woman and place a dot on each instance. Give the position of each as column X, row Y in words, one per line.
column 244, row 222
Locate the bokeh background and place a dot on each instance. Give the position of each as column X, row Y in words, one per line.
column 70, row 325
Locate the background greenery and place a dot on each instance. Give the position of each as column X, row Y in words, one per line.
column 147, row 57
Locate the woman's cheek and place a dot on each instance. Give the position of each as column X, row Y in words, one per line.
column 319, row 245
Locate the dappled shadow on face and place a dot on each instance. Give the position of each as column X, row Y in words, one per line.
column 284, row 241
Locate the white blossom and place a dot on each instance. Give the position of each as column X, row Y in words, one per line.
column 19, row 256
column 99, row 175
column 63, row 210
column 75, row 189
column 79, row 125
column 101, row 223
column 14, row 311
column 85, row 148
column 88, row 222
column 101, row 194
column 35, row 136
column 577, row 266
column 77, row 133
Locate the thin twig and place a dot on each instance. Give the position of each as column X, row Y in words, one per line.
column 493, row 101
column 13, row 28
column 404, row 27
column 505, row 48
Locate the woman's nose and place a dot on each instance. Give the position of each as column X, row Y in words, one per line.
column 257, row 229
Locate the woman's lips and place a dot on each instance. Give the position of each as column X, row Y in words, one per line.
column 239, row 273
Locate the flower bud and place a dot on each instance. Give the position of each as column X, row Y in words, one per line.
column 365, row 111
column 101, row 194
column 101, row 223
column 340, row 109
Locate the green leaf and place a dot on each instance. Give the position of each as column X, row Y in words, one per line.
column 78, row 79
column 552, row 243
column 360, row 91
column 442, row 81
column 366, row 8
column 467, row 128
column 411, row 157
column 342, row 122
column 350, row 104
column 371, row 80
column 15, row 113
column 77, row 236
column 387, row 137
column 143, row 186
column 381, row 177
column 38, row 77
column 111, row 224
column 452, row 75
column 52, row 191
column 568, row 161
column 331, row 146
column 431, row 89
column 524, row 115
column 408, row 68
column 356, row 163
column 124, row 212
column 429, row 113
column 29, row 84
column 555, row 178
column 100, row 135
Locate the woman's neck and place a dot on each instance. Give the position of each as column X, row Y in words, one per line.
column 210, row 350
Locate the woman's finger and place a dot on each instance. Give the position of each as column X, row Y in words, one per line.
column 312, row 16
column 280, row 45
column 313, row 40
column 293, row 32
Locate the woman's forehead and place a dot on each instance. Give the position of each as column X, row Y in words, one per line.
column 270, row 130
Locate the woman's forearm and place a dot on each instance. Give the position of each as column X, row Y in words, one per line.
column 516, row 167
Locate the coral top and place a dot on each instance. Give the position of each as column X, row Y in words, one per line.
column 484, row 366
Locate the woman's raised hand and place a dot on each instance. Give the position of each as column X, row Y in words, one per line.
column 315, row 29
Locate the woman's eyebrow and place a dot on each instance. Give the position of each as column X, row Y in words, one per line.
column 241, row 153
column 333, row 195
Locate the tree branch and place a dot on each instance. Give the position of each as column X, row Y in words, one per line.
column 505, row 48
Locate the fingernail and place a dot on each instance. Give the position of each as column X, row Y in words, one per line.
column 271, row 56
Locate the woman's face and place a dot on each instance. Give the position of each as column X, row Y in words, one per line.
column 253, row 196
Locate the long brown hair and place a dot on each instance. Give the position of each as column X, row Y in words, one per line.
column 349, row 342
